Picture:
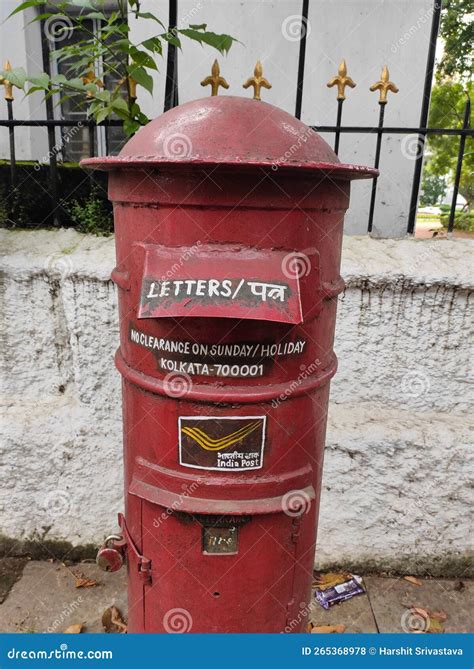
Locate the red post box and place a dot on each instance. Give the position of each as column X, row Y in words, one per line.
column 228, row 223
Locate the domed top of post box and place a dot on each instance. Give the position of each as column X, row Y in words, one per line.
column 230, row 132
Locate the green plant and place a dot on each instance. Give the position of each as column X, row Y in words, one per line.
column 91, row 216
column 433, row 188
column 447, row 107
column 128, row 62
column 463, row 220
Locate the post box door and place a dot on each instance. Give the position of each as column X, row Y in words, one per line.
column 217, row 574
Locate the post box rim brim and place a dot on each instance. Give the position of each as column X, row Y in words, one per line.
column 334, row 171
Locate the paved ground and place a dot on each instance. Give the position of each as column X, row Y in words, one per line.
column 43, row 597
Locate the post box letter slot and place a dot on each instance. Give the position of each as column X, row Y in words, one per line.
column 225, row 281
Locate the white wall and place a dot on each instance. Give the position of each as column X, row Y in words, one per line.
column 397, row 467
column 368, row 33
column 20, row 43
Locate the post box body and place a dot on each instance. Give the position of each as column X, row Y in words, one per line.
column 228, row 221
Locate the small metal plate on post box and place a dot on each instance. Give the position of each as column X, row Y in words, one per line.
column 220, row 540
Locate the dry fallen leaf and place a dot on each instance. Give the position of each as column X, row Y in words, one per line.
column 421, row 612
column 436, row 627
column 86, row 582
column 74, row 629
column 112, row 621
column 413, row 580
column 329, row 580
column 328, row 629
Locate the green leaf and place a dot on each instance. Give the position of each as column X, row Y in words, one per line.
column 59, row 79
column 172, row 39
column 142, row 58
column 40, row 17
column 16, row 76
column 77, row 83
column 200, row 26
column 220, row 42
column 95, row 15
column 148, row 15
column 142, row 77
column 40, row 80
column 104, row 96
column 153, row 44
column 120, row 107
column 131, row 126
column 102, row 114
column 34, row 89
column 26, row 5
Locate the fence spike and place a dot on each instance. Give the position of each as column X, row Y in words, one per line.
column 91, row 78
column 341, row 80
column 6, row 83
column 384, row 85
column 257, row 81
column 215, row 80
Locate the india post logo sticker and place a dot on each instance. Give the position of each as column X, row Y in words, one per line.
column 226, row 444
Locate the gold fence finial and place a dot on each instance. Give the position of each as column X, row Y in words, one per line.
column 7, row 84
column 91, row 78
column 215, row 80
column 257, row 81
column 132, row 88
column 384, row 85
column 341, row 81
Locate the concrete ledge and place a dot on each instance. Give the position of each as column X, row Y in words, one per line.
column 397, row 450
column 365, row 261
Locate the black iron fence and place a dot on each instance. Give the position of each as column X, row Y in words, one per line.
column 422, row 132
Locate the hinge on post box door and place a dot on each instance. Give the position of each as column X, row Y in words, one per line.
column 144, row 563
column 144, row 569
column 295, row 530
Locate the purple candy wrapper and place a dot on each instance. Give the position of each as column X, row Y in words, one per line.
column 339, row 593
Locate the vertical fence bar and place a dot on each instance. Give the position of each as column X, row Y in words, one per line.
column 457, row 178
column 11, row 134
column 425, row 106
column 301, row 58
column 338, row 126
column 378, row 148
column 171, row 88
column 91, row 135
column 53, row 164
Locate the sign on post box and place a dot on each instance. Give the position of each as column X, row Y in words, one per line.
column 228, row 252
